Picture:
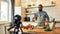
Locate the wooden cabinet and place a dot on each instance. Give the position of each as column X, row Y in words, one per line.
column 23, row 13
column 17, row 2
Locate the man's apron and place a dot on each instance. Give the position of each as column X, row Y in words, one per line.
column 40, row 19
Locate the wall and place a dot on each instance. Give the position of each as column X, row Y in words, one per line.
column 17, row 6
column 54, row 11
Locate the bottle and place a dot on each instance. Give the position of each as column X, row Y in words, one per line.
column 52, row 22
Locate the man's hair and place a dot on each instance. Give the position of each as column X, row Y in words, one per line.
column 40, row 5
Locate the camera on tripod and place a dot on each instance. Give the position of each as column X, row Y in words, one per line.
column 16, row 22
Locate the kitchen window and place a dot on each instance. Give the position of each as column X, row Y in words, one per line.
column 5, row 10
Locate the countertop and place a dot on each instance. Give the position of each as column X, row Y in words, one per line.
column 41, row 31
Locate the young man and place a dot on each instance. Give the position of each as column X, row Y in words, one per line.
column 41, row 16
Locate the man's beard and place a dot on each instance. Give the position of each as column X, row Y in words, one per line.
column 40, row 9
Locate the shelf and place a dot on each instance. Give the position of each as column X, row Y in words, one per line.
column 43, row 6
column 57, row 21
column 29, row 13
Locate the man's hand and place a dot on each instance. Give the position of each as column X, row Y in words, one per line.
column 46, row 21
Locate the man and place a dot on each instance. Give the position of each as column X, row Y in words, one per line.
column 41, row 16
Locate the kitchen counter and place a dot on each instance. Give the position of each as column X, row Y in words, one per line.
column 3, row 22
column 41, row 31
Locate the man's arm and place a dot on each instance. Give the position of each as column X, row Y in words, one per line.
column 46, row 17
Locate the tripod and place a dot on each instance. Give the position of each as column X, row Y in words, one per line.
column 17, row 22
column 16, row 27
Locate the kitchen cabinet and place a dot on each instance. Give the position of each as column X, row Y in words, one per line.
column 17, row 3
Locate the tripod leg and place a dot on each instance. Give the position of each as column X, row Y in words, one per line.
column 17, row 30
column 10, row 28
column 14, row 31
column 21, row 30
